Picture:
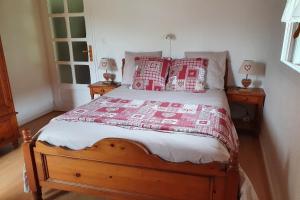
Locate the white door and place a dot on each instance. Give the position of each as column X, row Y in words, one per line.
column 73, row 60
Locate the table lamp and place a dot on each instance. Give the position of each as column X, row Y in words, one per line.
column 249, row 68
column 108, row 64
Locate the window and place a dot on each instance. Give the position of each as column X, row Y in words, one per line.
column 291, row 45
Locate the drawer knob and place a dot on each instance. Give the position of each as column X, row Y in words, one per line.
column 77, row 174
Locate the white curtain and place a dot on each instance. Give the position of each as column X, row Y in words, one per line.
column 292, row 11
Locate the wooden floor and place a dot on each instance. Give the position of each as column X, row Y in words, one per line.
column 11, row 165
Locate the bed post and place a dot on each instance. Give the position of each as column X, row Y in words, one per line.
column 123, row 65
column 233, row 177
column 30, row 165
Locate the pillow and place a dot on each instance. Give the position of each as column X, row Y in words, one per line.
column 129, row 67
column 187, row 74
column 150, row 73
column 216, row 67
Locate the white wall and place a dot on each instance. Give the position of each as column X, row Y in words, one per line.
column 239, row 26
column 280, row 136
column 26, row 59
column 281, row 130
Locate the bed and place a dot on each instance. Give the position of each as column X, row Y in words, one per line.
column 128, row 164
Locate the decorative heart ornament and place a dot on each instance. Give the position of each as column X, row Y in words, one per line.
column 247, row 67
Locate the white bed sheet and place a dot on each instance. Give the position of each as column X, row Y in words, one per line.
column 177, row 147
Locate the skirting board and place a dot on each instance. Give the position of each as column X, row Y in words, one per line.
column 266, row 166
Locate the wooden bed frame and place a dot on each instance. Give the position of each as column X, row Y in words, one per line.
column 126, row 170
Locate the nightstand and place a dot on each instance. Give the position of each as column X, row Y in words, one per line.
column 101, row 88
column 251, row 96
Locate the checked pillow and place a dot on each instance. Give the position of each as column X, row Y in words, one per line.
column 150, row 73
column 188, row 74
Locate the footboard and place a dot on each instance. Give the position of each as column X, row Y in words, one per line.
column 124, row 169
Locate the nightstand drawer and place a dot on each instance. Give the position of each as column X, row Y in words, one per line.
column 102, row 90
column 244, row 99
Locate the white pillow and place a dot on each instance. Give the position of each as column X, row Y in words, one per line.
column 129, row 67
column 216, row 67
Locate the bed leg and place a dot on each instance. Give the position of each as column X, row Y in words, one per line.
column 30, row 165
column 233, row 178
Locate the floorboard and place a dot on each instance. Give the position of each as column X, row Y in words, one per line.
column 11, row 165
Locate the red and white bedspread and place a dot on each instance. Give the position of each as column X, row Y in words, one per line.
column 199, row 120
column 172, row 146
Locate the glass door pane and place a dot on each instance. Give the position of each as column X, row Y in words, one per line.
column 59, row 27
column 65, row 72
column 75, row 6
column 82, row 73
column 56, row 6
column 77, row 26
column 80, row 51
column 62, row 51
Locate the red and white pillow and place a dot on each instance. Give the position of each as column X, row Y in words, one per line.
column 188, row 74
column 150, row 73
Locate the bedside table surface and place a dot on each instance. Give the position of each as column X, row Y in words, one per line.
column 101, row 83
column 246, row 92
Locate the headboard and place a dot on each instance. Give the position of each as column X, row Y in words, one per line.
column 225, row 76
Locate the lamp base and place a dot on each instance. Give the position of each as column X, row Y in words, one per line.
column 246, row 83
column 112, row 77
column 106, row 76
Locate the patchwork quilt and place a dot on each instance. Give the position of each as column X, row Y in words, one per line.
column 198, row 120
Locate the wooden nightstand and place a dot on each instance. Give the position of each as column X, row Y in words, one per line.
column 252, row 96
column 102, row 88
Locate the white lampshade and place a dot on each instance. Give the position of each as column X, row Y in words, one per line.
column 108, row 64
column 249, row 67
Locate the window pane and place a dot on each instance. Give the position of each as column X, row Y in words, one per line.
column 82, row 73
column 65, row 73
column 62, row 51
column 56, row 6
column 75, row 6
column 80, row 51
column 59, row 27
column 77, row 25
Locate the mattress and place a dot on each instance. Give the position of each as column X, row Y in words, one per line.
column 174, row 147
